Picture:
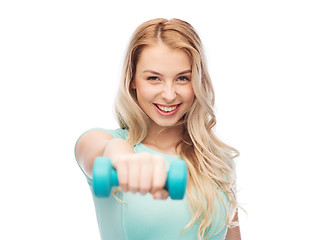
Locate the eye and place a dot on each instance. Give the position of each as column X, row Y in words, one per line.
column 183, row 79
column 153, row 78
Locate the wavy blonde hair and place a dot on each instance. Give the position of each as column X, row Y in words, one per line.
column 210, row 162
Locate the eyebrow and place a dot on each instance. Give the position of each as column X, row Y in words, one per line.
column 159, row 74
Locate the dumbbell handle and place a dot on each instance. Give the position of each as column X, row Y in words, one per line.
column 105, row 177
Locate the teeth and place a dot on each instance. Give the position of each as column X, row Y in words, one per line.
column 167, row 109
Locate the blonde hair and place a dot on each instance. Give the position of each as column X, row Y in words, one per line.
column 210, row 162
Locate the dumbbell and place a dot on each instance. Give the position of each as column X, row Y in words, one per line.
column 105, row 177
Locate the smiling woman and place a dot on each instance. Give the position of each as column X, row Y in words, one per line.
column 165, row 110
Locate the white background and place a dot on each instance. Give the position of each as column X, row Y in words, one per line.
column 60, row 63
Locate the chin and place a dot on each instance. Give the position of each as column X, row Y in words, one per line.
column 166, row 124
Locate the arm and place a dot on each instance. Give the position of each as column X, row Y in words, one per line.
column 137, row 172
column 234, row 233
column 90, row 145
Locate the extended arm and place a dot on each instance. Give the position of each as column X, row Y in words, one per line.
column 95, row 143
column 137, row 172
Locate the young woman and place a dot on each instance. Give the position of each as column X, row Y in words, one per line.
column 165, row 110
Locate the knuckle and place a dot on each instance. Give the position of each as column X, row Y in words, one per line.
column 158, row 158
column 143, row 155
column 157, row 186
column 133, row 188
column 159, row 161
column 123, row 183
column 120, row 162
column 144, row 189
column 146, row 158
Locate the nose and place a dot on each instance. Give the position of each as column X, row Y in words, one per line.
column 169, row 92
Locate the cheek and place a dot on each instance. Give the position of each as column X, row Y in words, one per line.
column 144, row 94
column 189, row 94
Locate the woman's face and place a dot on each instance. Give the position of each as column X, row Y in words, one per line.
column 163, row 84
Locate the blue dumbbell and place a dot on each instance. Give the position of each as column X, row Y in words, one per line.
column 105, row 177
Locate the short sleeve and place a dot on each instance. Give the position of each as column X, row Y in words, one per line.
column 117, row 133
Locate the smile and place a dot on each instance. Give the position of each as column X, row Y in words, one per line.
column 167, row 110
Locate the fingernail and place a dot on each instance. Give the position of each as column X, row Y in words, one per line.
column 158, row 196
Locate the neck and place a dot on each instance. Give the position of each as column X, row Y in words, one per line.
column 164, row 140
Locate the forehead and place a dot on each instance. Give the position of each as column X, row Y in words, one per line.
column 161, row 58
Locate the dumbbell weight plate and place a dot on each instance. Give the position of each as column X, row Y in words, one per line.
column 177, row 179
column 101, row 176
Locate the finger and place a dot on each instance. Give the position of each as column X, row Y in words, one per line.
column 146, row 175
column 161, row 195
column 159, row 174
column 133, row 177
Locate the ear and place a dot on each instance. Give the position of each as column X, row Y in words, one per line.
column 133, row 84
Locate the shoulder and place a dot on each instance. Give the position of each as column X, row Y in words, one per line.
column 97, row 136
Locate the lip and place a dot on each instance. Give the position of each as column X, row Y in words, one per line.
column 168, row 113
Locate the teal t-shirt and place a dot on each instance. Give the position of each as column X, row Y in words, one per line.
column 142, row 217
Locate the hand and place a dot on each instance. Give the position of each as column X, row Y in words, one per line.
column 143, row 173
